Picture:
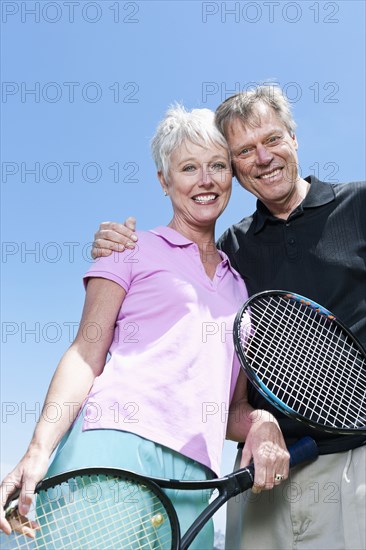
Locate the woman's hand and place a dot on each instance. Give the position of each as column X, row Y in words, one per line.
column 21, row 524
column 113, row 236
column 25, row 476
column 265, row 445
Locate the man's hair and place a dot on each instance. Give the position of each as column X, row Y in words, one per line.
column 243, row 106
column 178, row 126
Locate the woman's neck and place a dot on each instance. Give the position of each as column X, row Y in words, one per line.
column 204, row 238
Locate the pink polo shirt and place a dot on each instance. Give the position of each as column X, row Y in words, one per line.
column 172, row 367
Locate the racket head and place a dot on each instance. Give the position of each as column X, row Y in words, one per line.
column 303, row 360
column 100, row 508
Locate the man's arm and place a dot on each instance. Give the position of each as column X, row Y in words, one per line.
column 114, row 236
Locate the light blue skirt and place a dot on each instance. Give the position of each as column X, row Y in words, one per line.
column 118, row 449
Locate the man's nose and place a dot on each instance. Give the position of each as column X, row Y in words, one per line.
column 263, row 155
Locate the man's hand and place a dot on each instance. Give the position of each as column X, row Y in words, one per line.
column 265, row 445
column 113, row 236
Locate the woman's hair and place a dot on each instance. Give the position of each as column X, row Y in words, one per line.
column 243, row 106
column 179, row 126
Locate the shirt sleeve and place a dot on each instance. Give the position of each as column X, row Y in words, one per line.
column 115, row 267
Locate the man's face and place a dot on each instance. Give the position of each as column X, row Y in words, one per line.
column 264, row 158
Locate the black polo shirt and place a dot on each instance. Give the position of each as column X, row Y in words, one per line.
column 319, row 252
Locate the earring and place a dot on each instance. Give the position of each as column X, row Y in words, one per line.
column 165, row 193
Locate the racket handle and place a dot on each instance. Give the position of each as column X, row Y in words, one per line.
column 13, row 496
column 303, row 450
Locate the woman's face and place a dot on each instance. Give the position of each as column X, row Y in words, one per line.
column 198, row 183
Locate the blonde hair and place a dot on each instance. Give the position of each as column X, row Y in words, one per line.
column 243, row 106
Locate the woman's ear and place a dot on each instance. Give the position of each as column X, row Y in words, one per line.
column 294, row 139
column 163, row 182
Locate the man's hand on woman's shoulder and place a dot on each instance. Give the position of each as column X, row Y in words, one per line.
column 114, row 236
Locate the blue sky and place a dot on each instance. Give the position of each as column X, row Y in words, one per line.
column 84, row 85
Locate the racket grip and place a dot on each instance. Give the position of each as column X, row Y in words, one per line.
column 12, row 497
column 304, row 450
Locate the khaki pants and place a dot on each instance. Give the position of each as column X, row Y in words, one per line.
column 322, row 506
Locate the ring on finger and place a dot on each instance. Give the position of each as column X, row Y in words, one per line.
column 279, row 477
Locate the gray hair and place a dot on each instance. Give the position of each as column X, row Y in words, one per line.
column 243, row 106
column 178, row 126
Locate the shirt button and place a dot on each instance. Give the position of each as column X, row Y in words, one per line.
column 291, row 241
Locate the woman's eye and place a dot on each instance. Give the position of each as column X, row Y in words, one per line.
column 218, row 166
column 189, row 168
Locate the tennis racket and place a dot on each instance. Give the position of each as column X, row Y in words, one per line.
column 103, row 508
column 303, row 360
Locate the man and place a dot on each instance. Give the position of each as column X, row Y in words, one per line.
column 307, row 237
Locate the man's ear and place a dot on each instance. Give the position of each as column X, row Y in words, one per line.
column 163, row 183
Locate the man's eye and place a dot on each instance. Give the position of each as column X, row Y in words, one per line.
column 244, row 152
column 274, row 139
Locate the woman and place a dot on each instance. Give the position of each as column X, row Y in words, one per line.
column 161, row 312
column 144, row 409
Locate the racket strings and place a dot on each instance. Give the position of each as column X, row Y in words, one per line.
column 300, row 348
column 307, row 360
column 74, row 520
column 323, row 384
column 285, row 313
column 287, row 380
column 123, row 536
column 322, row 353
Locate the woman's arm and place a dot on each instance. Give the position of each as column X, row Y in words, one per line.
column 264, row 442
column 73, row 378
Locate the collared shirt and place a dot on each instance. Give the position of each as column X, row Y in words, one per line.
column 319, row 252
column 172, row 369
